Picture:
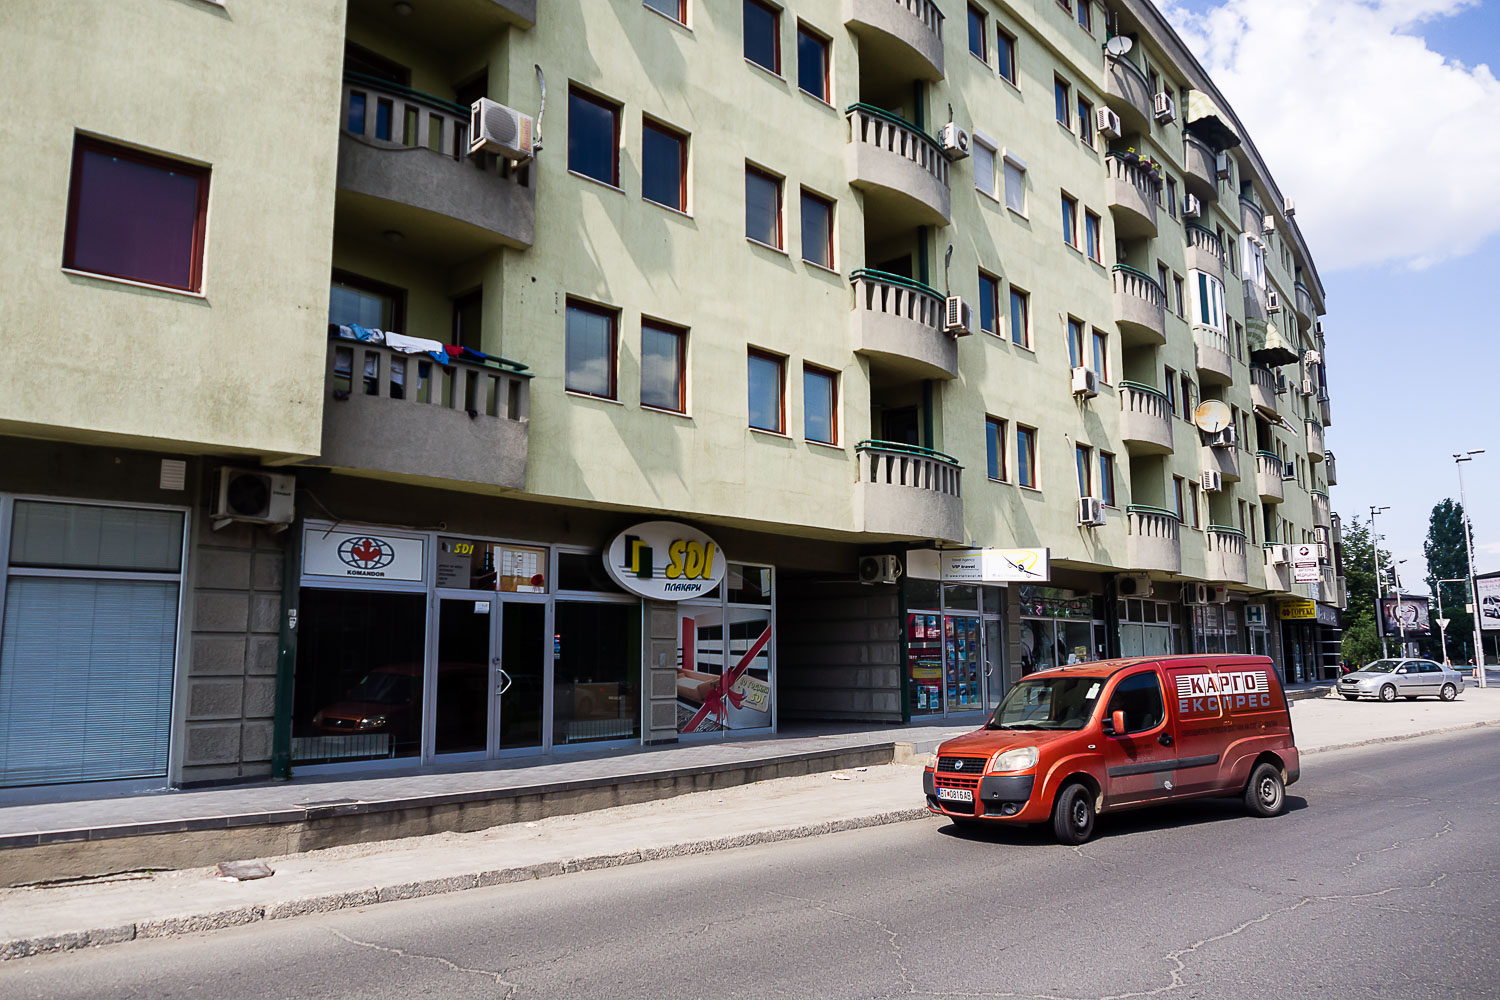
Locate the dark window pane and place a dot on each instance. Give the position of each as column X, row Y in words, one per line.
column 818, row 405
column 591, row 138
column 355, row 121
column 671, row 8
column 976, row 32
column 761, row 45
column 1005, row 56
column 1018, row 321
column 135, row 220
column 1060, row 96
column 762, row 208
column 596, row 672
column 989, row 295
column 584, row 571
column 765, row 392
column 817, row 230
column 661, row 367
column 591, row 352
column 993, row 443
column 382, row 118
column 812, row 64
column 467, row 313
column 661, row 167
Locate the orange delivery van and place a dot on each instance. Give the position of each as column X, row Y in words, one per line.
column 1068, row 743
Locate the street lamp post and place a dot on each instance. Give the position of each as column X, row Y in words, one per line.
column 1396, row 590
column 1459, row 460
column 1437, row 589
column 1379, row 580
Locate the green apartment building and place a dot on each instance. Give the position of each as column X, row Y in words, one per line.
column 830, row 360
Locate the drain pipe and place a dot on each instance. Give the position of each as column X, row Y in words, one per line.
column 286, row 653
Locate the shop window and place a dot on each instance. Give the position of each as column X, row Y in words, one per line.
column 48, row 535
column 584, row 571
column 596, row 658
column 725, row 655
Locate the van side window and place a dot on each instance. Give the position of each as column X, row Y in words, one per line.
column 1139, row 697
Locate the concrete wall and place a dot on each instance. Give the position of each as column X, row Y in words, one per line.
column 840, row 651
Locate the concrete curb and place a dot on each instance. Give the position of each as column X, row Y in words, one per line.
column 189, row 923
column 1405, row 736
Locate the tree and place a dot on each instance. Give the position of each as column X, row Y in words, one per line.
column 1361, row 635
column 1448, row 560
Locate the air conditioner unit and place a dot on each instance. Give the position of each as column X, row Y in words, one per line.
column 1321, row 533
column 1313, row 358
column 879, row 569
column 1108, row 123
column 1318, row 326
column 1191, row 206
column 1322, row 552
column 1268, row 224
column 1197, row 593
column 1164, row 108
column 1133, row 585
column 1090, row 512
column 1307, row 387
column 1273, row 302
column 494, row 128
column 1085, row 382
column 1213, row 481
column 1289, row 470
column 1225, row 438
column 1221, row 166
column 953, row 141
column 254, row 496
column 1278, row 555
column 957, row 320
column 1288, row 208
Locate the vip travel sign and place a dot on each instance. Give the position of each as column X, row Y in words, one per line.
column 665, row 561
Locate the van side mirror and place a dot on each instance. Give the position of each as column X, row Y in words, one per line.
column 1115, row 724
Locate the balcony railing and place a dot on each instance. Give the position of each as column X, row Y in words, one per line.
column 1264, row 390
column 1278, row 575
column 1315, row 446
column 1132, row 197
column 1252, row 218
column 1322, row 509
column 910, row 34
column 1154, row 540
column 907, row 491
column 1140, row 307
column 1214, row 361
column 1226, row 554
column 1330, row 468
column 1145, row 419
column 1201, row 168
column 1226, row 461
column 1302, row 297
column 1205, row 251
column 1128, row 92
column 902, row 166
column 900, row 322
column 1268, row 469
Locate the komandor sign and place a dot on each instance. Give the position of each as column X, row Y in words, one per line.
column 665, row 561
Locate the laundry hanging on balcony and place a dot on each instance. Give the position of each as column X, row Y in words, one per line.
column 396, row 342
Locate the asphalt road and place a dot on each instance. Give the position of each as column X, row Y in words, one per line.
column 1381, row 881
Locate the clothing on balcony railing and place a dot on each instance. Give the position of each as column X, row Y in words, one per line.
column 397, row 342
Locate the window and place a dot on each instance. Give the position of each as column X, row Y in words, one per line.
column 1086, row 16
column 817, row 229
column 1181, row 297
column 820, row 408
column 1075, row 342
column 1252, row 525
column 1005, row 54
column 136, row 216
column 1172, row 197
column 664, row 166
column 1177, row 486
column 675, row 9
column 663, row 366
column 989, row 303
column 1093, row 236
column 1020, row 317
column 1239, row 342
column 1070, row 221
column 1061, row 96
column 1015, row 186
column 1193, row 495
column 767, row 398
column 977, row 33
column 1241, row 505
column 1083, row 459
column 763, row 207
column 1187, row 397
column 1139, row 697
column 1099, row 359
column 1171, row 386
column 1026, row 456
column 1107, row 478
column 357, row 301
column 763, row 35
column 590, row 349
column 1085, row 122
column 594, row 137
column 1209, row 307
column 984, row 167
column 994, row 445
column 812, row 63
column 1163, row 278
column 468, row 316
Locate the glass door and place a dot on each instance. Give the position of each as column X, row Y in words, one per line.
column 465, row 635
column 962, row 662
column 521, row 674
column 994, row 662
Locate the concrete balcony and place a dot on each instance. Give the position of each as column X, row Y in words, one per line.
column 1140, row 307
column 1264, row 391
column 1131, row 196
column 1205, row 252
column 1200, row 169
column 1278, row 576
column 1128, row 92
column 1225, row 461
column 1215, row 365
column 1145, row 420
column 908, row 492
column 900, row 169
column 1322, row 509
column 1252, row 218
column 1325, row 411
column 901, row 37
column 1268, row 482
column 1330, row 468
column 898, row 323
column 445, row 25
column 1315, row 446
column 1302, row 301
column 1226, row 555
column 1328, row 585
column 411, row 418
column 1154, row 543
column 404, row 168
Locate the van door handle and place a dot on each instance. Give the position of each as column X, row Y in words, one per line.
column 1165, row 739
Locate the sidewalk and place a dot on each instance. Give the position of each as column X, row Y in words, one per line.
column 123, row 907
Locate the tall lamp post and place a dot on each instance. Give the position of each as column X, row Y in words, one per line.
column 1437, row 589
column 1379, row 580
column 1459, row 459
column 1396, row 592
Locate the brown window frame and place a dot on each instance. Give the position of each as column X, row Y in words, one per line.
column 827, row 203
column 780, row 183
column 681, row 333
column 1007, row 71
column 780, row 362
column 775, row 13
column 996, row 429
column 651, row 124
column 989, row 287
column 833, row 402
column 396, row 292
column 681, row 17
column 1031, row 468
column 583, row 305
column 983, row 55
column 826, row 43
column 616, row 111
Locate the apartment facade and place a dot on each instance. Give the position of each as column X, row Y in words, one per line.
column 756, row 394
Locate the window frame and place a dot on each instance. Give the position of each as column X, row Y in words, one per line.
column 1019, row 166
column 1107, row 492
column 779, row 360
column 613, row 315
column 1093, row 229
column 775, row 13
column 780, row 211
column 989, row 291
column 1083, row 463
column 1178, row 499
column 1021, row 297
column 1062, row 99
column 804, row 196
column 681, row 334
column 370, row 285
column 1075, row 332
column 616, row 111
column 1007, row 67
column 983, row 35
column 1027, row 470
column 1085, row 16
column 833, row 402
column 1085, row 120
column 655, row 125
column 825, row 45
column 994, row 154
column 681, row 17
column 1069, row 211
column 994, row 448
column 1099, row 353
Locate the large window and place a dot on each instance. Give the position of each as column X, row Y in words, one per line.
column 1020, row 317
column 591, row 349
column 596, row 672
column 136, row 216
column 763, row 207
column 1005, row 54
column 989, row 303
column 594, row 137
column 767, row 381
column 994, row 446
column 820, row 404
column 1026, row 456
column 1107, row 478
column 664, row 166
column 763, row 35
column 663, row 366
column 817, row 229
column 357, row 301
column 812, row 63
column 977, row 33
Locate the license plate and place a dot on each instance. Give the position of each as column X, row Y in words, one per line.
column 956, row 794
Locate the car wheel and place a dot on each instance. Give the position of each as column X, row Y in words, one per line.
column 1351, row 697
column 1388, row 693
column 1265, row 795
column 1448, row 693
column 1073, row 815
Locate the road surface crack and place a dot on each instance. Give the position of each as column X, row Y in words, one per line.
column 1362, row 856
column 511, row 989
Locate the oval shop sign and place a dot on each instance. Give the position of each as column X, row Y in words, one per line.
column 665, row 561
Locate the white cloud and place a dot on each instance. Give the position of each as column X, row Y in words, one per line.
column 1386, row 145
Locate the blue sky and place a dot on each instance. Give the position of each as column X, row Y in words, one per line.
column 1373, row 114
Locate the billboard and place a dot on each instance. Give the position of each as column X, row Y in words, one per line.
column 1489, row 602
column 1404, row 616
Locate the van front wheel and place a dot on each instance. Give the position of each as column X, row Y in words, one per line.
column 1073, row 814
column 1265, row 795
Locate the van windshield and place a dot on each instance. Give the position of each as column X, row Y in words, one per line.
column 1048, row 703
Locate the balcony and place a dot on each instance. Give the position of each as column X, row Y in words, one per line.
column 899, row 323
column 1315, row 446
column 1252, row 218
column 1278, row 576
column 904, row 37
column 1200, row 174
column 1226, row 461
column 1303, row 301
column 446, row 25
column 1215, row 365
column 1154, row 543
column 1140, row 308
column 1268, row 482
column 1325, row 410
column 1330, row 468
column 1264, row 390
column 1128, row 92
column 1328, row 585
column 404, row 168
column 900, row 169
column 410, row 417
column 908, row 492
column 1205, row 252
column 1145, row 419
column 1226, row 555
column 1131, row 196
column 1322, row 510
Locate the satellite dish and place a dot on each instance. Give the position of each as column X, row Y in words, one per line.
column 1118, row 45
column 1212, row 416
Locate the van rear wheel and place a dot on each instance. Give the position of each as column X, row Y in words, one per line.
column 1073, row 814
column 1265, row 795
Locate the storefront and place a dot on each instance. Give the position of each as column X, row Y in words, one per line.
column 1218, row 628
column 1299, row 634
column 955, row 647
column 1258, row 630
column 1059, row 627
column 1149, row 627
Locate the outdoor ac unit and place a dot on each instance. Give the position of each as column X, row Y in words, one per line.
column 1090, row 512
column 1319, row 327
column 1273, row 302
column 1165, row 108
column 1225, row 438
column 1307, row 387
column 1289, row 470
column 1278, row 555
column 1289, row 208
column 957, row 319
column 1085, row 382
column 1200, row 593
column 1108, row 123
column 1191, row 206
column 1322, row 552
column 494, row 128
column 1221, row 166
column 1321, row 532
column 1213, row 481
column 1133, row 585
column 953, row 141
column 1269, row 223
column 254, row 496
column 879, row 569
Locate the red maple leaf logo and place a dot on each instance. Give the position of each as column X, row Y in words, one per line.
column 366, row 550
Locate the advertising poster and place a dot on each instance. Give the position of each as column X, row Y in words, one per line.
column 723, row 674
column 1489, row 602
column 1404, row 616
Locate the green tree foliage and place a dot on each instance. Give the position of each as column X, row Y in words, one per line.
column 1447, row 560
column 1361, row 638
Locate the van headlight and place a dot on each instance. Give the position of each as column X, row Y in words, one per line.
column 1019, row 759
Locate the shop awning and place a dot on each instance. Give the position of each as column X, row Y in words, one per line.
column 1205, row 120
column 1276, row 350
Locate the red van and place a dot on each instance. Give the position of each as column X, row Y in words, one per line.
column 1071, row 742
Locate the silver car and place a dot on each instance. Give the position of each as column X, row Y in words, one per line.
column 1409, row 679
